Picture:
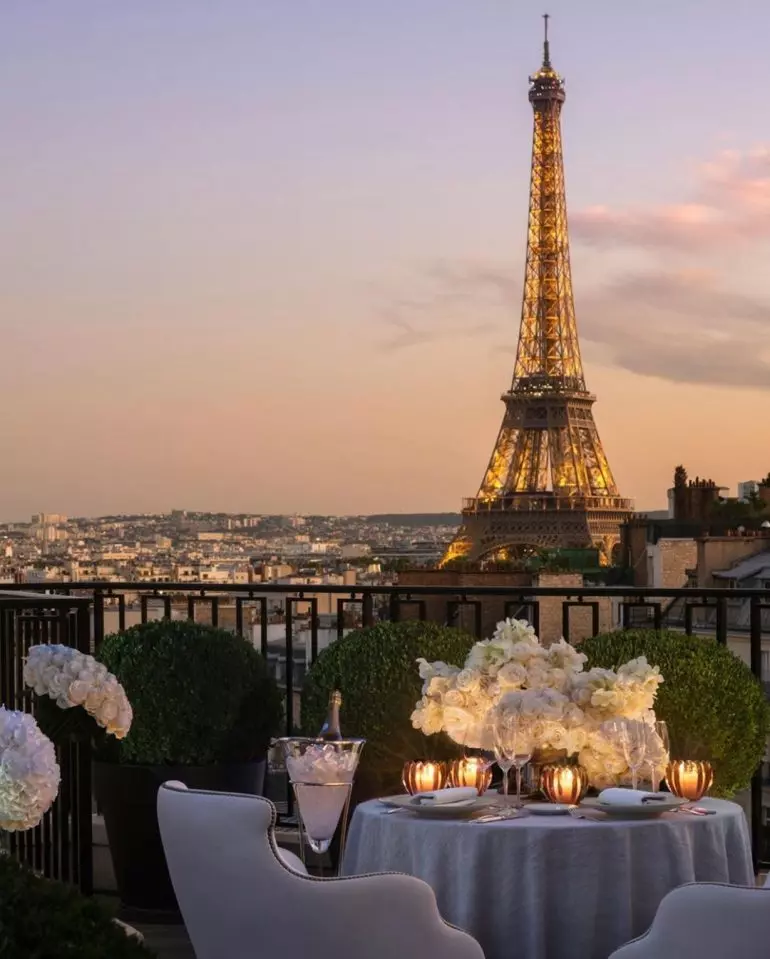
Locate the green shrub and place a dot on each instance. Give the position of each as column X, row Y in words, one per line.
column 376, row 671
column 43, row 919
column 200, row 695
column 714, row 707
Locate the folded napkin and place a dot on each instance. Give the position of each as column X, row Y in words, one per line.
column 439, row 797
column 619, row 797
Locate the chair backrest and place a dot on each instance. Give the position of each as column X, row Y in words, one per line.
column 238, row 898
column 706, row 921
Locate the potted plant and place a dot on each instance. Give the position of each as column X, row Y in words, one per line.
column 44, row 918
column 205, row 709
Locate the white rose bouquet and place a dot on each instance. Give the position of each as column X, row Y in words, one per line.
column 29, row 773
column 562, row 706
column 71, row 678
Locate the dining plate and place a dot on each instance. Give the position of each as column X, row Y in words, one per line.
column 650, row 810
column 548, row 808
column 465, row 807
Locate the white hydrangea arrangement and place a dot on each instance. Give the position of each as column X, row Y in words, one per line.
column 563, row 706
column 72, row 678
column 29, row 773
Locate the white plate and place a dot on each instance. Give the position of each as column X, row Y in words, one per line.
column 649, row 810
column 435, row 810
column 393, row 801
column 548, row 808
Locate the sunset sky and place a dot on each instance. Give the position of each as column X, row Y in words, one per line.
column 266, row 255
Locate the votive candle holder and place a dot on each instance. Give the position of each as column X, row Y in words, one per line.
column 563, row 783
column 689, row 779
column 470, row 772
column 423, row 776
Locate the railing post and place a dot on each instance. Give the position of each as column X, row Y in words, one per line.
column 289, row 670
column 395, row 607
column 367, row 610
column 721, row 621
column 263, row 645
column 98, row 620
column 313, row 630
column 755, row 639
column 239, row 615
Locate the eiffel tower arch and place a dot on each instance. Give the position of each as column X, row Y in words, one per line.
column 548, row 483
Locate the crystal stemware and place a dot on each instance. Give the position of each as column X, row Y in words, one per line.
column 478, row 742
column 631, row 736
column 504, row 741
column 522, row 754
column 513, row 747
column 661, row 739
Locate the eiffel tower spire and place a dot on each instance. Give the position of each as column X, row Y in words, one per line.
column 548, row 482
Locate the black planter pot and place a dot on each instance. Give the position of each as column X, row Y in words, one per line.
column 127, row 795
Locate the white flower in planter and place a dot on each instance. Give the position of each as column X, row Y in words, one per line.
column 29, row 773
column 72, row 678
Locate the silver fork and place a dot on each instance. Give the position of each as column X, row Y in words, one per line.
column 697, row 810
column 581, row 814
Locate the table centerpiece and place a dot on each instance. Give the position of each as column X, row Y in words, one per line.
column 565, row 708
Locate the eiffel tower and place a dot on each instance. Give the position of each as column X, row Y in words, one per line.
column 548, row 483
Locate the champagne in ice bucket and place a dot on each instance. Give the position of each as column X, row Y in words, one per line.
column 321, row 771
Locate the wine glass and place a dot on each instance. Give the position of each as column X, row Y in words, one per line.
column 479, row 742
column 515, row 743
column 504, row 741
column 631, row 736
column 522, row 753
column 661, row 733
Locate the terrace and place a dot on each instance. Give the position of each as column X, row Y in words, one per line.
column 286, row 626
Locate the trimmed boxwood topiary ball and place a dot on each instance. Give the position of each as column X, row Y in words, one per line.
column 714, row 706
column 200, row 695
column 43, row 919
column 376, row 671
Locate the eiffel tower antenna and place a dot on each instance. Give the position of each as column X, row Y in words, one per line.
column 548, row 483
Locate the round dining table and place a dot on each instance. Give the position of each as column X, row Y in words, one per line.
column 552, row 887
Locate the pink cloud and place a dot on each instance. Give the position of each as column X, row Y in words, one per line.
column 730, row 203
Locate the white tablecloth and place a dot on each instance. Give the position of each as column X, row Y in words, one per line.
column 555, row 887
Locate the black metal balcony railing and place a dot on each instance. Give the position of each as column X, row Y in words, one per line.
column 61, row 846
column 285, row 620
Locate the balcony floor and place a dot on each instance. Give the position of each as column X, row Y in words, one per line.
column 170, row 942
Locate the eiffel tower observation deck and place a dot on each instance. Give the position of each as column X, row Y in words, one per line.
column 548, row 483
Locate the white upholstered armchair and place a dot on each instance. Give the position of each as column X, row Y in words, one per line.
column 243, row 898
column 706, row 921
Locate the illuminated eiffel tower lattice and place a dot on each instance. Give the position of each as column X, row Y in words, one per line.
column 548, row 483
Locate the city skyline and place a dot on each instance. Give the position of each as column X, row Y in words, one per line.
column 270, row 260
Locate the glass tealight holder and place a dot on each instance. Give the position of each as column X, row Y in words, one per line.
column 563, row 783
column 689, row 779
column 321, row 773
column 470, row 771
column 418, row 776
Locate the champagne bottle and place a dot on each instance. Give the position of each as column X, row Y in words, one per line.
column 330, row 731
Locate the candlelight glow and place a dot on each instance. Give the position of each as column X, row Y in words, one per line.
column 420, row 777
column 688, row 779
